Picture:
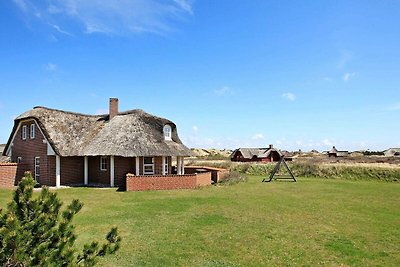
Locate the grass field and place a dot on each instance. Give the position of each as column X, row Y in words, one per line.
column 311, row 222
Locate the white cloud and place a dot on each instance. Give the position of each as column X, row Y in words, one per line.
column 57, row 28
column 225, row 90
column 195, row 129
column 348, row 75
column 289, row 96
column 111, row 17
column 258, row 136
column 51, row 67
column 185, row 5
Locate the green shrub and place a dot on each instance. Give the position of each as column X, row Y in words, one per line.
column 36, row 232
column 233, row 178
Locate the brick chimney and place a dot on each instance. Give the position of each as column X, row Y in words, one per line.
column 113, row 107
column 271, row 146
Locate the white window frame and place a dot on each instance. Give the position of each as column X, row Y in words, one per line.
column 19, row 159
column 148, row 165
column 166, row 165
column 23, row 132
column 167, row 130
column 32, row 131
column 103, row 164
column 37, row 167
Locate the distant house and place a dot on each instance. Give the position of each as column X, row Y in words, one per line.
column 336, row 153
column 62, row 148
column 392, row 152
column 269, row 154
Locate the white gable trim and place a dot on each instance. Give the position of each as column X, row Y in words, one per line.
column 50, row 150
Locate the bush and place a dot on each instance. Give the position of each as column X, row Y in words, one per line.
column 233, row 178
column 34, row 232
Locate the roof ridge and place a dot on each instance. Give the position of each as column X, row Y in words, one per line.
column 131, row 111
column 70, row 112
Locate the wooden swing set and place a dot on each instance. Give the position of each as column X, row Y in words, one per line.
column 276, row 169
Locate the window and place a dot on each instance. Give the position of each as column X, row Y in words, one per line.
column 148, row 165
column 103, row 164
column 37, row 168
column 167, row 132
column 19, row 159
column 166, row 164
column 32, row 132
column 24, row 132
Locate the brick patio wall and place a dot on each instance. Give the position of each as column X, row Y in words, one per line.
column 203, row 178
column 218, row 173
column 11, row 174
column 159, row 182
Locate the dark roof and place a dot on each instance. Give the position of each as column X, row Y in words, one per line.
column 334, row 151
column 249, row 153
column 129, row 134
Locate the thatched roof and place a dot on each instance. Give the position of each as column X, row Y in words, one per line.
column 3, row 158
column 334, row 151
column 249, row 153
column 129, row 134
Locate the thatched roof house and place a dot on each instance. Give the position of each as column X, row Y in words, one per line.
column 336, row 153
column 129, row 134
column 256, row 154
column 392, row 152
column 116, row 143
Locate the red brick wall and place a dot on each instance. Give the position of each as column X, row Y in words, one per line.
column 8, row 175
column 51, row 171
column 72, row 170
column 113, row 107
column 29, row 149
column 203, row 179
column 122, row 167
column 141, row 183
column 217, row 174
column 95, row 174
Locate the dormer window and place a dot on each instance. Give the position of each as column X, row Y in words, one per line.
column 32, row 132
column 167, row 132
column 23, row 132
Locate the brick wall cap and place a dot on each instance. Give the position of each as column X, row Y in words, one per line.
column 206, row 168
column 129, row 175
column 8, row 164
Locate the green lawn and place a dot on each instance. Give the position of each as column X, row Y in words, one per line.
column 311, row 222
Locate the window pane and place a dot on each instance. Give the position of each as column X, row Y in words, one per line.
column 24, row 132
column 148, row 160
column 32, row 130
column 103, row 163
column 148, row 168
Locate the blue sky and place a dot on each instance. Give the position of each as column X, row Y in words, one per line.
column 297, row 74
